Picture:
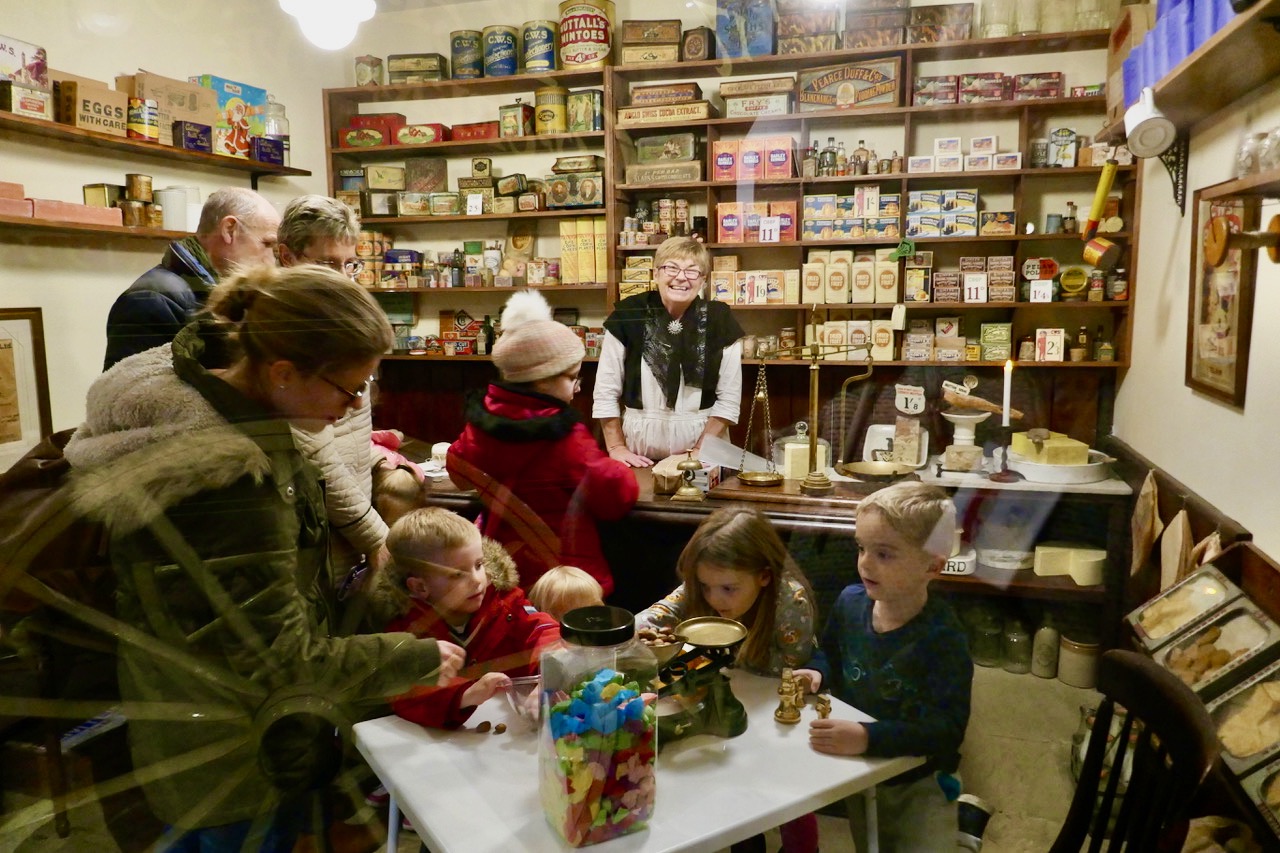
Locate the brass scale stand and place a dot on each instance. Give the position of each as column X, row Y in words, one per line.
column 816, row 482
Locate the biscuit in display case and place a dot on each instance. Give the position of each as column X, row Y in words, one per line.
column 1157, row 621
column 1220, row 650
column 1247, row 720
column 1263, row 788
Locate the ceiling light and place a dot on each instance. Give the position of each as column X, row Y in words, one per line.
column 329, row 24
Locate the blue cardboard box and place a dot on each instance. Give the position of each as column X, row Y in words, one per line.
column 242, row 113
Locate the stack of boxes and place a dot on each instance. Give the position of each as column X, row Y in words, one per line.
column 803, row 30
column 647, row 42
column 732, row 284
column 876, row 23
column 942, row 213
column 865, row 214
column 668, row 158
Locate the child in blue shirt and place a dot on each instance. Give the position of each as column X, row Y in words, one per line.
column 902, row 657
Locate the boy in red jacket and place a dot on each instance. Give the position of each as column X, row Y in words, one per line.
column 525, row 440
column 458, row 587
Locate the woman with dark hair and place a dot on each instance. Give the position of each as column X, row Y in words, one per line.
column 217, row 535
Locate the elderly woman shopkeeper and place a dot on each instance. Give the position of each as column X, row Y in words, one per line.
column 671, row 364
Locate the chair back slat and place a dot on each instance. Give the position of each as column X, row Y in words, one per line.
column 1169, row 741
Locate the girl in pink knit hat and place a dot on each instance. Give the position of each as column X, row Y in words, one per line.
column 542, row 477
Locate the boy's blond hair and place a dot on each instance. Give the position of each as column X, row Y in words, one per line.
column 396, row 493
column 564, row 588
column 923, row 515
column 423, row 535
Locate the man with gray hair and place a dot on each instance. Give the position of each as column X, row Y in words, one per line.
column 237, row 228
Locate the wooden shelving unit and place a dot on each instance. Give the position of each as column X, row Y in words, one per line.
column 17, row 125
column 53, row 227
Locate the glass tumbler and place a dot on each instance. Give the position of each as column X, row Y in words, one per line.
column 1057, row 16
column 1247, row 154
column 1026, row 17
column 1017, row 647
column 997, row 18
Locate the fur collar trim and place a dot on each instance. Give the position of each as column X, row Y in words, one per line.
column 150, row 441
column 524, row 429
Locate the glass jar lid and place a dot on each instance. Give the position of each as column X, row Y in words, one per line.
column 600, row 625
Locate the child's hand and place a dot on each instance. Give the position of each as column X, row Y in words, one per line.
column 452, row 657
column 812, row 678
column 486, row 686
column 838, row 737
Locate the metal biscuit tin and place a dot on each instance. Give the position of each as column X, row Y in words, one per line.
column 538, row 46
column 464, row 50
column 550, row 111
column 144, row 120
column 586, row 33
column 499, row 50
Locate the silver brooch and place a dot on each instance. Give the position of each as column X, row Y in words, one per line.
column 675, row 327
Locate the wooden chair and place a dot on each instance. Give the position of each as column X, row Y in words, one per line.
column 1167, row 737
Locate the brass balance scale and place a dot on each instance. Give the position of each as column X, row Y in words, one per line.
column 816, row 483
column 693, row 689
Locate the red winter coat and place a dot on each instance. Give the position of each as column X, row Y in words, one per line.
column 538, row 447
column 508, row 635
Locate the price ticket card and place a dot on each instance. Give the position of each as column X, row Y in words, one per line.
column 770, row 229
column 909, row 399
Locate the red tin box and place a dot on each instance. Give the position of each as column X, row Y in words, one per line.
column 475, row 130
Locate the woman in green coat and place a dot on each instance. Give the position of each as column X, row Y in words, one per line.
column 217, row 534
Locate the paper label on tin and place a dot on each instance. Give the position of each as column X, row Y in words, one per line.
column 585, row 34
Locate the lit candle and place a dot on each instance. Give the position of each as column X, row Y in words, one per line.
column 1008, row 383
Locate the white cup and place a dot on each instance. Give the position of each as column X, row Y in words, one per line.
column 439, row 451
column 173, row 201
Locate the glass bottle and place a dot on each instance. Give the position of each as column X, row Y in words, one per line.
column 1044, row 650
column 987, row 642
column 1070, row 223
column 873, row 163
column 1082, row 339
column 842, row 160
column 827, row 159
column 1017, row 647
column 598, row 657
column 484, row 343
column 809, row 163
column 276, row 125
column 459, row 266
column 1098, row 340
column 861, row 153
column 1247, row 154
column 895, row 162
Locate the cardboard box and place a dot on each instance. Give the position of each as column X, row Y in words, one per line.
column 729, row 222
column 724, row 160
column 786, row 213
column 928, row 91
column 757, row 105
column 242, row 113
column 779, row 160
column 177, row 100
column 872, row 82
column 665, row 93
column 751, row 156
column 835, row 284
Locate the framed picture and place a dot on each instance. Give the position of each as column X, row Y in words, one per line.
column 1220, row 306
column 24, row 383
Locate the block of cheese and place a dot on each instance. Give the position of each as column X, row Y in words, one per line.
column 1057, row 449
column 795, row 460
column 1083, row 563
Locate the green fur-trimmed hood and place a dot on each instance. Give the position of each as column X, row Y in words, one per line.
column 150, row 441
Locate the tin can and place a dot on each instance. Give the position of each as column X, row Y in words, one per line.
column 144, row 120
column 133, row 213
column 538, row 46
column 499, row 50
column 549, row 109
column 586, row 33
column 787, row 341
column 365, row 244
column 138, row 187
column 553, row 271
column 369, row 71
column 464, row 50
column 155, row 216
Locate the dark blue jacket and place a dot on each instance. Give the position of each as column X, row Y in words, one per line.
column 161, row 302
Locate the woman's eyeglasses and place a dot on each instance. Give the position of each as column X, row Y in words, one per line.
column 350, row 267
column 352, row 396
column 690, row 274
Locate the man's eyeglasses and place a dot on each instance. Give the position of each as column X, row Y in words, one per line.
column 690, row 274
column 361, row 393
column 350, row 267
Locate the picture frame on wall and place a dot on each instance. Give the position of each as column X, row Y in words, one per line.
column 24, row 383
column 1220, row 304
